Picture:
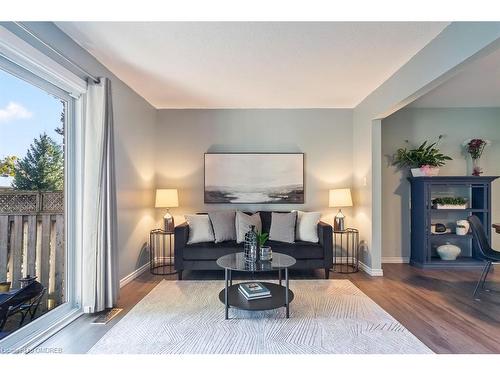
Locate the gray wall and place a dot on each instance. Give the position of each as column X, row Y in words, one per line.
column 417, row 125
column 134, row 133
column 183, row 136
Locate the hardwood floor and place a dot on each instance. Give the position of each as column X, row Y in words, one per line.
column 435, row 305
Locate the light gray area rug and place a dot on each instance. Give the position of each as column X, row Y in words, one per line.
column 326, row 317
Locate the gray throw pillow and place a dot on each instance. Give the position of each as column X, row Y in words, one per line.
column 244, row 223
column 200, row 229
column 283, row 227
column 223, row 223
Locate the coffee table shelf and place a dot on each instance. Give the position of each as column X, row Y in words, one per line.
column 281, row 296
column 277, row 299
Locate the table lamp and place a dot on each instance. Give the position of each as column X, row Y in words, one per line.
column 340, row 198
column 167, row 198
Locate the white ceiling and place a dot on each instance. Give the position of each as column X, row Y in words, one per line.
column 477, row 85
column 253, row 64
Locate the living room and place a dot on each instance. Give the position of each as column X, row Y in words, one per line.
column 302, row 187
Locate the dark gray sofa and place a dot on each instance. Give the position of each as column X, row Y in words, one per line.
column 203, row 256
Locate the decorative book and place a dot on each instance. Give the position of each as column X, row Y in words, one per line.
column 254, row 290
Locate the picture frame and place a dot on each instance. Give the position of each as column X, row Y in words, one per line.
column 254, row 178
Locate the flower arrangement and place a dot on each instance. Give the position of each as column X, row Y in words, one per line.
column 475, row 148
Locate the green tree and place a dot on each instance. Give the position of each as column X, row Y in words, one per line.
column 42, row 168
column 7, row 166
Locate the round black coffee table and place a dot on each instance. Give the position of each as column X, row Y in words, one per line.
column 281, row 296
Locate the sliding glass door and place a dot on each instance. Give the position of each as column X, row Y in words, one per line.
column 37, row 191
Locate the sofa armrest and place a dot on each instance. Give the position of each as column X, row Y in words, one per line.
column 181, row 236
column 325, row 234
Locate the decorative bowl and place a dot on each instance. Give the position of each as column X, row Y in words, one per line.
column 448, row 251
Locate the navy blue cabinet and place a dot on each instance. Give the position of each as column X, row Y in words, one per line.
column 424, row 216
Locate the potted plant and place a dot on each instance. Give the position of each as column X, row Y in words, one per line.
column 444, row 203
column 265, row 251
column 424, row 160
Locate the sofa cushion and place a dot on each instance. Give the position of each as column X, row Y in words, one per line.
column 265, row 217
column 223, row 223
column 212, row 250
column 298, row 249
column 283, row 227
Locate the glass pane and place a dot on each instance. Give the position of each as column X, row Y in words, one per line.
column 32, row 221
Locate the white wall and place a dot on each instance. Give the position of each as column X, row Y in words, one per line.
column 324, row 135
column 134, row 134
column 418, row 125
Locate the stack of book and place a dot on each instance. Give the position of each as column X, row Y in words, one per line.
column 253, row 291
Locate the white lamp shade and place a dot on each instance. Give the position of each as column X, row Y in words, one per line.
column 340, row 198
column 167, row 198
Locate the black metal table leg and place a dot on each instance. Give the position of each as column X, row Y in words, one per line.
column 286, row 296
column 225, row 292
column 231, row 277
column 279, row 275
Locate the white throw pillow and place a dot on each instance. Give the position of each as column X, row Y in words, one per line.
column 244, row 223
column 200, row 229
column 307, row 226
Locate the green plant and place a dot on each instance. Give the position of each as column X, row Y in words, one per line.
column 262, row 238
column 425, row 154
column 42, row 168
column 454, row 201
column 7, row 166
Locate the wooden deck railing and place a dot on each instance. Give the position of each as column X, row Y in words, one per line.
column 32, row 241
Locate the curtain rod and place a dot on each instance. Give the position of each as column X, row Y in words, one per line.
column 33, row 35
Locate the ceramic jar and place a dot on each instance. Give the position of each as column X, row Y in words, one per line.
column 448, row 251
column 463, row 227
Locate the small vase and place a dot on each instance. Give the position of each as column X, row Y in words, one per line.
column 476, row 168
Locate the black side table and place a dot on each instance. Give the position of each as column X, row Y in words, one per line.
column 346, row 250
column 161, row 257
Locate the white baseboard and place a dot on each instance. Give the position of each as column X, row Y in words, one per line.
column 395, row 259
column 371, row 271
column 133, row 275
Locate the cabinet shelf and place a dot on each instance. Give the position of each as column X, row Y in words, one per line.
column 477, row 191
column 458, row 210
column 450, row 235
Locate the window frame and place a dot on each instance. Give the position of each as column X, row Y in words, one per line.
column 31, row 335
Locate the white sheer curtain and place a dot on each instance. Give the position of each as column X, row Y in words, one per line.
column 99, row 280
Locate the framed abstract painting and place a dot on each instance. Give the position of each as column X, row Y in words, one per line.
column 254, row 178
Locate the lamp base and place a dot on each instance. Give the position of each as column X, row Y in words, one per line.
column 338, row 224
column 168, row 221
